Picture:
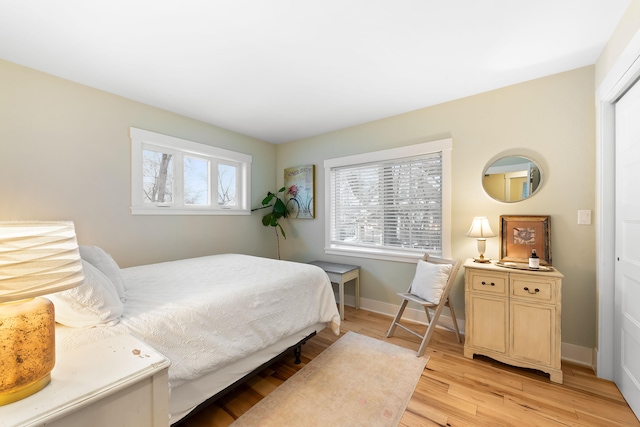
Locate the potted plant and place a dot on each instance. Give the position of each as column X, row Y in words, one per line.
column 278, row 210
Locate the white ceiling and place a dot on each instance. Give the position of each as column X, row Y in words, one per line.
column 281, row 70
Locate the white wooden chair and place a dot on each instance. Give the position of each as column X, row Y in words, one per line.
column 433, row 281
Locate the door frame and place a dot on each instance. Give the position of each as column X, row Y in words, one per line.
column 618, row 80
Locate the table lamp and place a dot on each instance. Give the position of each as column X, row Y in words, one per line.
column 480, row 229
column 36, row 258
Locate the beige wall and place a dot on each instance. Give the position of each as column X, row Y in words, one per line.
column 550, row 119
column 627, row 28
column 65, row 154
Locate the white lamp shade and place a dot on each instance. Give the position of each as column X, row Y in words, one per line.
column 480, row 228
column 37, row 258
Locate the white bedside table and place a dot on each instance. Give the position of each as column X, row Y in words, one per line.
column 118, row 381
column 341, row 274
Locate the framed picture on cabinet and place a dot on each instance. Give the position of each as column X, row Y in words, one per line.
column 520, row 234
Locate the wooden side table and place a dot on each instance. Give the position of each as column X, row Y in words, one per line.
column 514, row 316
column 117, row 381
column 341, row 274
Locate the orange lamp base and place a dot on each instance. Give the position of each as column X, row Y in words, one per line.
column 27, row 347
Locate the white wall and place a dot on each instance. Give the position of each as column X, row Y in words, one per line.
column 65, row 154
column 549, row 119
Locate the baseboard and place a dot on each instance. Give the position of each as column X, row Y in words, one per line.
column 412, row 314
column 583, row 356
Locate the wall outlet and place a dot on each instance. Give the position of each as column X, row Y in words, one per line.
column 584, row 217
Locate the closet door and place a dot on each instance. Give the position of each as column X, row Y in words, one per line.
column 627, row 275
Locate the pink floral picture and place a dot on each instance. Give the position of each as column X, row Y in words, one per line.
column 299, row 191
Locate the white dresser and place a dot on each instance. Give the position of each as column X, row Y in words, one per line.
column 119, row 381
column 514, row 316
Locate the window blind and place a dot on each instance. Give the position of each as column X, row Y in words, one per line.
column 392, row 204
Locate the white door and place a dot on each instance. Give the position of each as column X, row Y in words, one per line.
column 627, row 281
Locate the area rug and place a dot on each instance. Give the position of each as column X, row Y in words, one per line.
column 357, row 381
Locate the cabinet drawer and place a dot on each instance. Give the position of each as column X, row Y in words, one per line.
column 493, row 283
column 531, row 289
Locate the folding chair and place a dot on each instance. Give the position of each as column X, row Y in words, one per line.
column 432, row 284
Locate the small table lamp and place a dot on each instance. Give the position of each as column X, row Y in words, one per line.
column 480, row 229
column 36, row 258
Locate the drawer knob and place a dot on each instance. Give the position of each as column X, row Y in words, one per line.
column 526, row 288
column 485, row 283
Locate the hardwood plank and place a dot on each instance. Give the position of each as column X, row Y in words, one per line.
column 477, row 393
column 597, row 420
column 419, row 414
column 587, row 402
column 453, row 391
column 581, row 379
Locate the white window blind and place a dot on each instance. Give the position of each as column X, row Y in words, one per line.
column 392, row 205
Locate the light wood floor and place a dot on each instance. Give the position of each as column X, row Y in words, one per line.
column 453, row 390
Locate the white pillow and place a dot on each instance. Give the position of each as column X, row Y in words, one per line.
column 430, row 281
column 94, row 303
column 106, row 264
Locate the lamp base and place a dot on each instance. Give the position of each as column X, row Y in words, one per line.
column 482, row 260
column 27, row 347
column 26, row 391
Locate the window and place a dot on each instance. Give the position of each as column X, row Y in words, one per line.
column 173, row 176
column 391, row 204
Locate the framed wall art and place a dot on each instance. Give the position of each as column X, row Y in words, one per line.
column 519, row 234
column 299, row 191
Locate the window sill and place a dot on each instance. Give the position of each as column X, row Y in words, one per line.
column 176, row 211
column 386, row 255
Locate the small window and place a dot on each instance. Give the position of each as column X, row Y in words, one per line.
column 197, row 181
column 391, row 204
column 227, row 184
column 173, row 176
column 157, row 176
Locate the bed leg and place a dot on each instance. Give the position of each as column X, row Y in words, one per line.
column 297, row 349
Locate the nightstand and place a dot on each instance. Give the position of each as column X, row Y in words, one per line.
column 513, row 316
column 117, row 381
column 341, row 274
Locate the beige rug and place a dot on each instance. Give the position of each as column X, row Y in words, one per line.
column 357, row 381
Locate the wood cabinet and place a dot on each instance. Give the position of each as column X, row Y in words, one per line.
column 118, row 381
column 513, row 316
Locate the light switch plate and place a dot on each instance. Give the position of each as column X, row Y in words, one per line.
column 584, row 217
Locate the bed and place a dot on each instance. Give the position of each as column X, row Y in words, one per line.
column 217, row 318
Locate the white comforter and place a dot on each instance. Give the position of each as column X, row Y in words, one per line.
column 203, row 313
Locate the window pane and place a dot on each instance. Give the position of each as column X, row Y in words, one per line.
column 157, row 177
column 227, row 185
column 196, row 181
column 391, row 204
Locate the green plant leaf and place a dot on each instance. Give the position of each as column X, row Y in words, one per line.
column 279, row 208
column 266, row 220
column 282, row 231
column 267, row 199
